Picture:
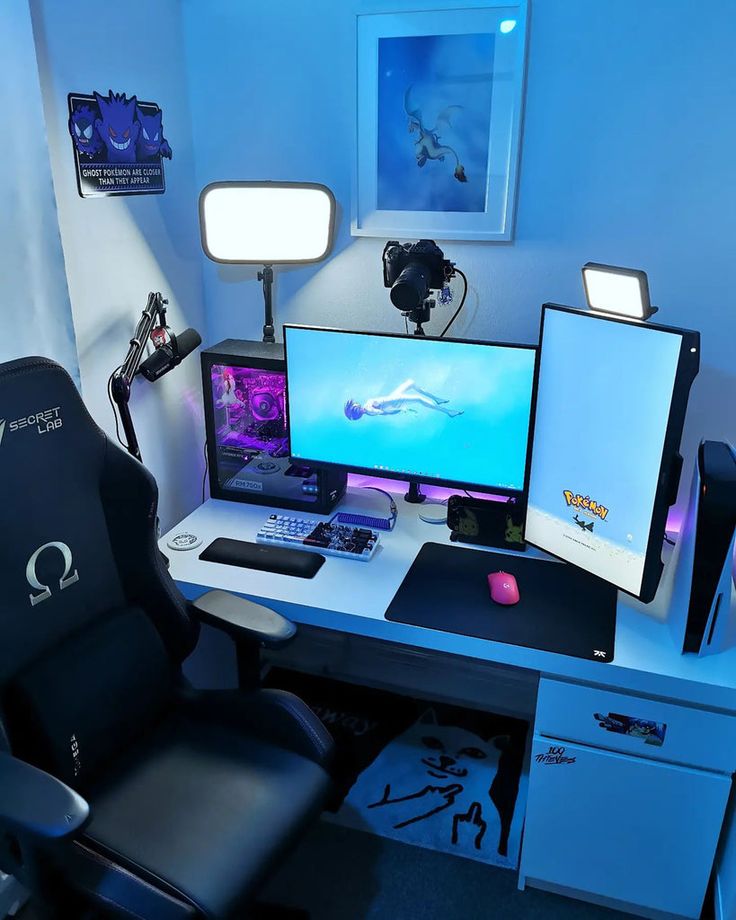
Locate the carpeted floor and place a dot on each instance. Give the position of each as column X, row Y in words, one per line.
column 342, row 874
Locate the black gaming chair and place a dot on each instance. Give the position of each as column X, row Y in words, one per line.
column 120, row 786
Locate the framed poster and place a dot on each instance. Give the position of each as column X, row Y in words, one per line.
column 440, row 89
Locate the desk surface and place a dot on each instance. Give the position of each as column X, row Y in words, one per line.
column 353, row 596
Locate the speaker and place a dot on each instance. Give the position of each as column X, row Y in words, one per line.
column 244, row 387
column 700, row 593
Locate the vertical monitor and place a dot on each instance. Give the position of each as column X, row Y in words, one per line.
column 610, row 408
column 411, row 407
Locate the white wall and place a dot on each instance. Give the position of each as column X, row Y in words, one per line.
column 119, row 249
column 627, row 158
column 35, row 313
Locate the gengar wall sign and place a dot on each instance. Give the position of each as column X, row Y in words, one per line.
column 119, row 145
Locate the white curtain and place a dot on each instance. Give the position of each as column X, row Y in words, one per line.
column 35, row 312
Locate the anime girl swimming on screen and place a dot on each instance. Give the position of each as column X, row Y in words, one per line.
column 408, row 397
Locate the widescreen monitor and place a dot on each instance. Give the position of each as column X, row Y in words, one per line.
column 610, row 408
column 416, row 408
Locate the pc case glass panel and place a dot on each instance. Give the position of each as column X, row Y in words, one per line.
column 603, row 409
column 411, row 407
column 251, row 440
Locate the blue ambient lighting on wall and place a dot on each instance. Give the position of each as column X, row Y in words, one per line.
column 508, row 25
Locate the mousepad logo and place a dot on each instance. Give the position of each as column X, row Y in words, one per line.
column 586, row 506
column 118, row 143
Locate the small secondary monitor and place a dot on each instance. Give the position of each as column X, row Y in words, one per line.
column 415, row 408
column 610, row 408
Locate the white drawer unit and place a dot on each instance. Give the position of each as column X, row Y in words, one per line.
column 621, row 828
column 627, row 797
column 688, row 736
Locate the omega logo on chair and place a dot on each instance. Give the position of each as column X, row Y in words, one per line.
column 64, row 582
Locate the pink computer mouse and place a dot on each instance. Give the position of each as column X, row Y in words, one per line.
column 504, row 589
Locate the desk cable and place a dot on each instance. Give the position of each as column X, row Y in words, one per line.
column 364, row 520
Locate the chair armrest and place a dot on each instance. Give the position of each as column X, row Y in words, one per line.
column 244, row 619
column 36, row 803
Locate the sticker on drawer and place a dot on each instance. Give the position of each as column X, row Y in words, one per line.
column 555, row 756
column 647, row 731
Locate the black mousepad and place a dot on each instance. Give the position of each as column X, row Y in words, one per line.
column 561, row 608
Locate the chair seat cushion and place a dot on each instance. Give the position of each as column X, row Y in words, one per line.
column 204, row 810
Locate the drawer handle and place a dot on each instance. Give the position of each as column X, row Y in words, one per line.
column 644, row 729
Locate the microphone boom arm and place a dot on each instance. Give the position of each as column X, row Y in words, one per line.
column 122, row 378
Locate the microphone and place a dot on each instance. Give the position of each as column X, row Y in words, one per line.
column 170, row 355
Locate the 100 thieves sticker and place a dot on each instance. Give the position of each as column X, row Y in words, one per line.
column 554, row 756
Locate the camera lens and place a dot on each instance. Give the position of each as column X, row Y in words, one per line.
column 411, row 287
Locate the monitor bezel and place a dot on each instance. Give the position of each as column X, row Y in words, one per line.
column 670, row 463
column 519, row 494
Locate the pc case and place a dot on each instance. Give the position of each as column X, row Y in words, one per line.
column 244, row 385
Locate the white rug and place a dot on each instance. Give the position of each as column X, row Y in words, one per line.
column 431, row 787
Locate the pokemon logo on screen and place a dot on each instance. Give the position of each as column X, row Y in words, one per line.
column 118, row 143
column 585, row 504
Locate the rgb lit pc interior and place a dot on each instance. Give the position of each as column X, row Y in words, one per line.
column 410, row 407
column 250, row 418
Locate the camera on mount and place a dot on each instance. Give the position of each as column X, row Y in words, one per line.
column 412, row 270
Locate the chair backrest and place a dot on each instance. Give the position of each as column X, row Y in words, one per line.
column 78, row 540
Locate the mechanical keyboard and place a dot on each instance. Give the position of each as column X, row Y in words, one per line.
column 326, row 537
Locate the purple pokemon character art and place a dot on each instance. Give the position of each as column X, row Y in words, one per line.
column 84, row 132
column 151, row 140
column 119, row 144
column 117, row 127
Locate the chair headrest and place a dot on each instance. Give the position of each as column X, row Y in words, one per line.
column 41, row 415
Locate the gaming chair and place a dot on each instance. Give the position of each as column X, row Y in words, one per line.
column 120, row 785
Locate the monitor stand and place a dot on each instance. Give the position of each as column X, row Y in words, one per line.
column 415, row 496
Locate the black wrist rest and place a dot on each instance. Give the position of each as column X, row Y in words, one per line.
column 277, row 559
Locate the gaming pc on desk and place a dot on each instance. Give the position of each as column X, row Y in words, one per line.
column 247, row 438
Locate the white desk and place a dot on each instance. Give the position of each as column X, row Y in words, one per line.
column 624, row 803
column 353, row 597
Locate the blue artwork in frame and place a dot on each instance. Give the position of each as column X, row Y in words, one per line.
column 434, row 116
column 440, row 89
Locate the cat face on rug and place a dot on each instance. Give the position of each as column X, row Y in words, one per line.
column 452, row 754
column 431, row 786
column 451, row 751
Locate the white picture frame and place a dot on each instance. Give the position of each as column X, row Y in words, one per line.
column 454, row 71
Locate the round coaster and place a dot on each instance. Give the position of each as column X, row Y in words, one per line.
column 183, row 541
